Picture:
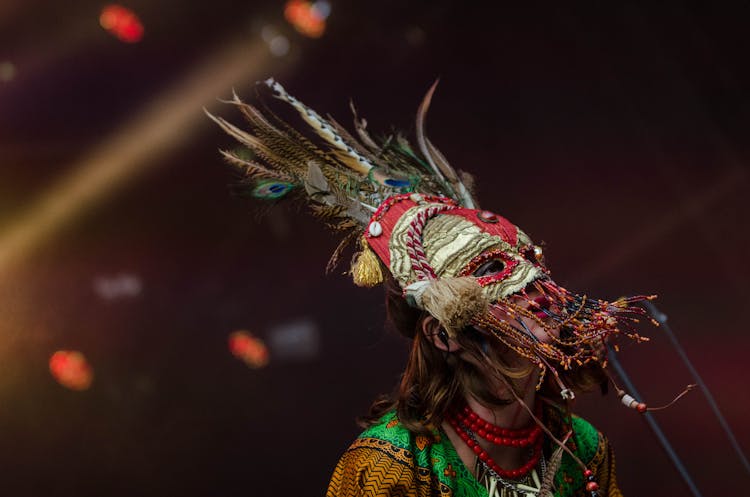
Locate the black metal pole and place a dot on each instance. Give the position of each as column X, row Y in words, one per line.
column 662, row 319
column 615, row 363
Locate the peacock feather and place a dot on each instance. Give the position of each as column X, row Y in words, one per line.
column 343, row 177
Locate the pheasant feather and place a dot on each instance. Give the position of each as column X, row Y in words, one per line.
column 343, row 176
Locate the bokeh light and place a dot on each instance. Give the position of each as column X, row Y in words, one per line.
column 71, row 369
column 249, row 348
column 309, row 18
column 415, row 36
column 297, row 340
column 7, row 71
column 118, row 287
column 122, row 23
column 278, row 44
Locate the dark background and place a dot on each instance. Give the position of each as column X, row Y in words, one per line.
column 618, row 136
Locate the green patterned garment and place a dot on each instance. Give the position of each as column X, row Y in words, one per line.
column 388, row 460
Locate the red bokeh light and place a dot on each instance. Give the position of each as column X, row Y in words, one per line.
column 122, row 23
column 71, row 370
column 249, row 348
column 305, row 18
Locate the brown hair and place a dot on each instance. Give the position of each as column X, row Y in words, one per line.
column 434, row 381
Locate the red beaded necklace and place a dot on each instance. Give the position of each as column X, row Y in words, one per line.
column 525, row 437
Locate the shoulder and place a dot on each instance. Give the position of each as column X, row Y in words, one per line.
column 388, row 459
column 388, row 429
column 388, row 443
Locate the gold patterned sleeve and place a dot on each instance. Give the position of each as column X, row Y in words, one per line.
column 604, row 469
column 368, row 472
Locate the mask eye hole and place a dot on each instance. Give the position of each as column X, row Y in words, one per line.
column 491, row 267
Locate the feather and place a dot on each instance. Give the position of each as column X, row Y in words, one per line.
column 253, row 170
column 298, row 148
column 301, row 139
column 437, row 161
column 301, row 150
column 346, row 154
column 360, row 125
column 471, row 184
column 552, row 466
column 421, row 138
column 345, row 242
column 316, row 185
column 258, row 147
column 282, row 151
column 272, row 190
column 344, row 176
column 355, row 144
column 327, row 212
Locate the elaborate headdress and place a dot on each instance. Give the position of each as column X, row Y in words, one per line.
column 416, row 218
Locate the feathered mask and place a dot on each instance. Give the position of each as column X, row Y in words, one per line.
column 414, row 216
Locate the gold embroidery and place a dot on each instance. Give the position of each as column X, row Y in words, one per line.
column 450, row 243
column 375, row 467
column 421, row 441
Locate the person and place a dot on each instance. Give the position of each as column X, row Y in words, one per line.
column 422, row 429
column 499, row 350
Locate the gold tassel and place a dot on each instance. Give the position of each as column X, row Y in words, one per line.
column 366, row 268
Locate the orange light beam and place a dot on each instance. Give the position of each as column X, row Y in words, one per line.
column 660, row 226
column 161, row 126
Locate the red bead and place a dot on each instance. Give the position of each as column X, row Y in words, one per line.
column 592, row 486
column 588, row 473
column 641, row 407
column 482, row 433
column 514, row 438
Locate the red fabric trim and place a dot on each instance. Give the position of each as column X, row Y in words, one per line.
column 391, row 210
